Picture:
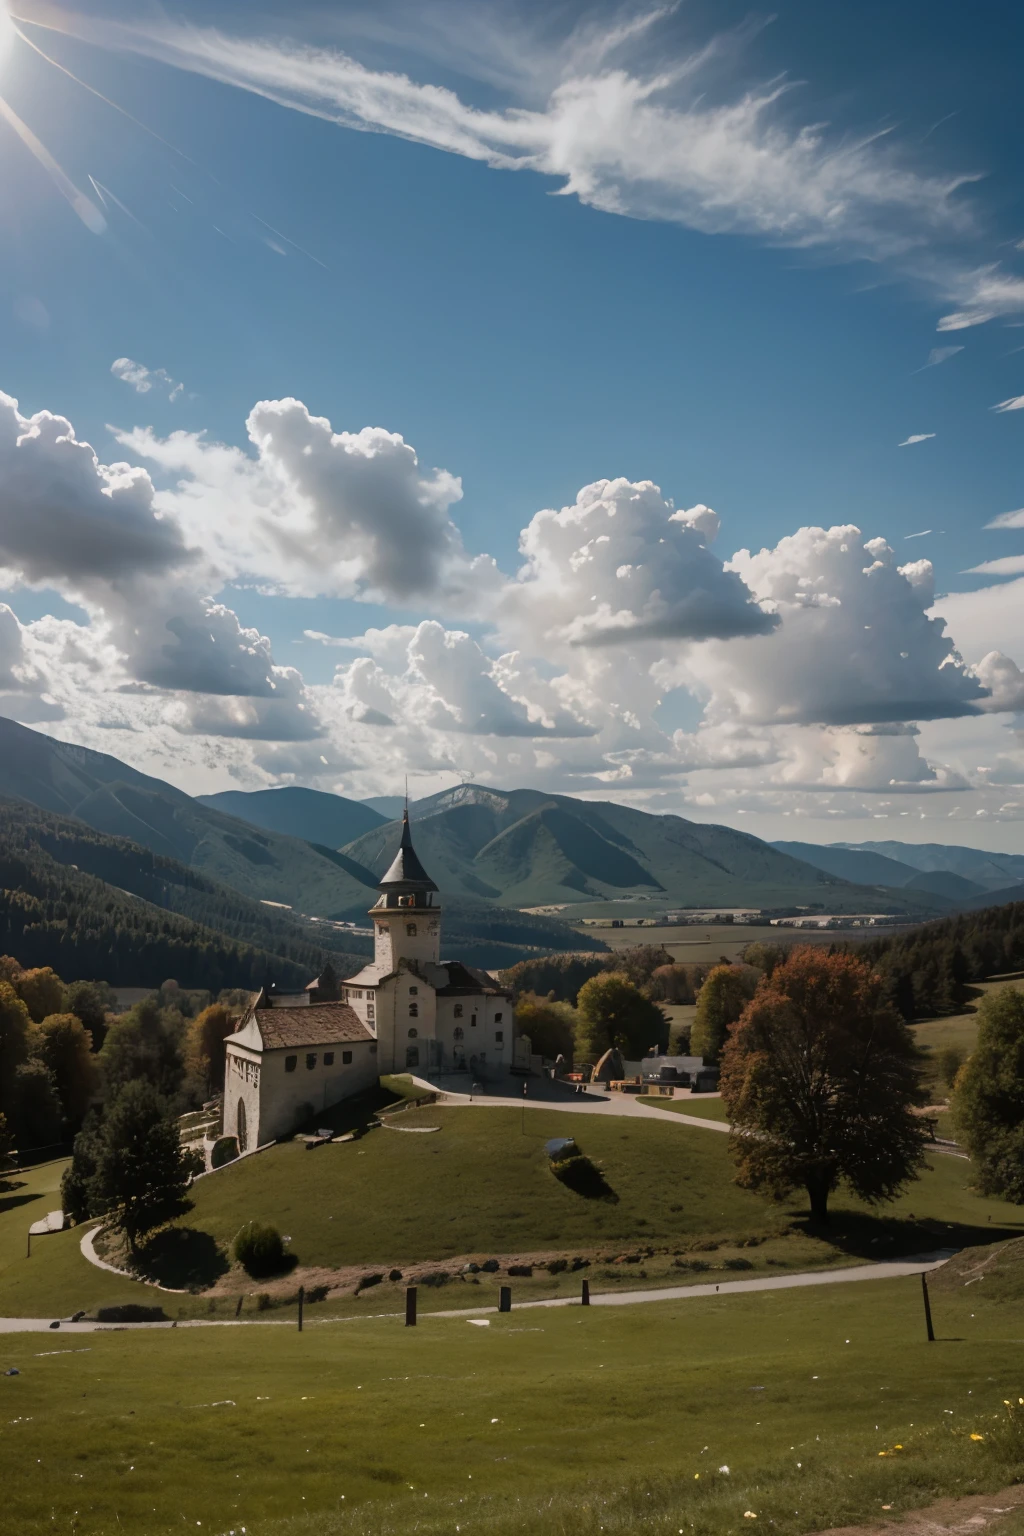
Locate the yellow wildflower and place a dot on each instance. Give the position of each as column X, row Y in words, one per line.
column 977, row 1437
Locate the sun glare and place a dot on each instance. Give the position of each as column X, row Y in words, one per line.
column 7, row 31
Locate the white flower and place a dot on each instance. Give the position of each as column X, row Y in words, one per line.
column 724, row 1470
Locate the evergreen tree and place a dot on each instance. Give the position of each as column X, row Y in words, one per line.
column 141, row 1173
column 819, row 1078
column 988, row 1102
column 37, row 1120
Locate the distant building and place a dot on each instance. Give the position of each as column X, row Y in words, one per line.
column 295, row 1054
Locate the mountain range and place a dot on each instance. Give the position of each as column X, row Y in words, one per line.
column 265, row 869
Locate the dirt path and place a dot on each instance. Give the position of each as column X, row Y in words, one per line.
column 949, row 1517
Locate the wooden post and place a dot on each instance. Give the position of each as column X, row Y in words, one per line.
column 410, row 1306
column 28, row 1251
column 927, row 1308
column 302, row 1297
column 238, row 1309
column 585, row 1298
column 505, row 1299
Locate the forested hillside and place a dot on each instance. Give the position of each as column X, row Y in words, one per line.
column 928, row 970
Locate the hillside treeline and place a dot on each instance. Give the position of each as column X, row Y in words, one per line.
column 928, row 971
column 89, row 904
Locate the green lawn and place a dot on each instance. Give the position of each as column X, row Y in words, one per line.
column 704, row 1109
column 960, row 1029
column 570, row 1421
column 480, row 1187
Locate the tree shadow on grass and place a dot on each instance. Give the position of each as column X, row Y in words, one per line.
column 10, row 1202
column 868, row 1235
column 584, row 1178
column 182, row 1259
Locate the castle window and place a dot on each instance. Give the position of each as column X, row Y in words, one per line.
column 311, row 1061
column 473, row 1022
column 414, row 1010
column 410, row 929
column 412, row 1034
column 373, row 1047
column 459, row 1032
column 498, row 1036
column 346, row 1058
column 497, row 1018
column 290, row 1063
column 369, row 1013
column 413, row 991
column 458, row 1010
column 328, row 1058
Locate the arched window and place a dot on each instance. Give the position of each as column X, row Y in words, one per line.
column 459, row 1032
column 412, row 1034
column 458, row 1010
column 241, row 1127
column 414, row 1010
column 410, row 929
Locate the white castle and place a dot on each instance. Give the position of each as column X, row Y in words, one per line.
column 407, row 1011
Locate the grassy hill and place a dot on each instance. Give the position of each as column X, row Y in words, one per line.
column 868, row 868
column 524, row 849
column 310, row 814
column 994, row 870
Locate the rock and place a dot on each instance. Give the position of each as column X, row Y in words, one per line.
column 490, row 1266
column 394, row 1274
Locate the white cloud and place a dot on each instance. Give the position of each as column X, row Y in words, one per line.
column 1009, row 565
column 620, row 567
column 1015, row 403
column 143, row 379
column 659, row 139
column 854, row 646
column 941, row 355
column 1004, row 680
column 1008, row 520
column 916, row 437
column 988, row 294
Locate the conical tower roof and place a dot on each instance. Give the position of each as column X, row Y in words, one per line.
column 406, row 877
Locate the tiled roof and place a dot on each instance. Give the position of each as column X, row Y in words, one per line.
column 311, row 1024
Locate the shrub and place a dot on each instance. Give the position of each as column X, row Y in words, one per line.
column 583, row 1177
column 225, row 1150
column 365, row 1281
column 131, row 1312
column 521, row 1269
column 260, row 1250
column 738, row 1264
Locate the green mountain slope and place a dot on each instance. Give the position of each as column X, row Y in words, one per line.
column 316, row 817
column 524, row 848
column 113, row 798
column 860, row 865
column 992, row 870
column 52, row 913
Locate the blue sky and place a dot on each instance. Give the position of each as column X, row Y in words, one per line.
column 770, row 226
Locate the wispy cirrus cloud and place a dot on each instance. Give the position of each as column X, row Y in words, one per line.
column 915, row 437
column 625, row 129
column 1008, row 520
column 1015, row 403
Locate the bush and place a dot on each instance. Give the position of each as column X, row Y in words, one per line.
column 225, row 1150
column 583, row 1177
column 260, row 1250
column 131, row 1312
column 738, row 1264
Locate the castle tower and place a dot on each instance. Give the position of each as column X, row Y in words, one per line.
column 406, row 918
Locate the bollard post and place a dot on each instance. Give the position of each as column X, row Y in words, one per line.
column 302, row 1297
column 238, row 1309
column 505, row 1299
column 585, row 1298
column 410, row 1306
column 927, row 1308
column 28, row 1252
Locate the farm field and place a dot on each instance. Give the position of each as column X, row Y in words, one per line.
column 715, row 941
column 808, row 1409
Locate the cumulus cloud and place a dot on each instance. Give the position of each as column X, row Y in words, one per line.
column 318, row 511
column 143, row 379
column 94, row 532
column 1004, row 681
column 622, row 566
column 855, row 644
column 915, row 437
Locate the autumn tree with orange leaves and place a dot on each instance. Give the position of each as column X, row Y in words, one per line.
column 819, row 1078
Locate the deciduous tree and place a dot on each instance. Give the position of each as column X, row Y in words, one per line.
column 819, row 1078
column 613, row 1011
column 204, row 1054
column 65, row 1048
column 726, row 992
column 42, row 992
column 140, row 1045
column 550, row 1026
column 988, row 1101
column 14, row 1030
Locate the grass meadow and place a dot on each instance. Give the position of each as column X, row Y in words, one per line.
column 826, row 1406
